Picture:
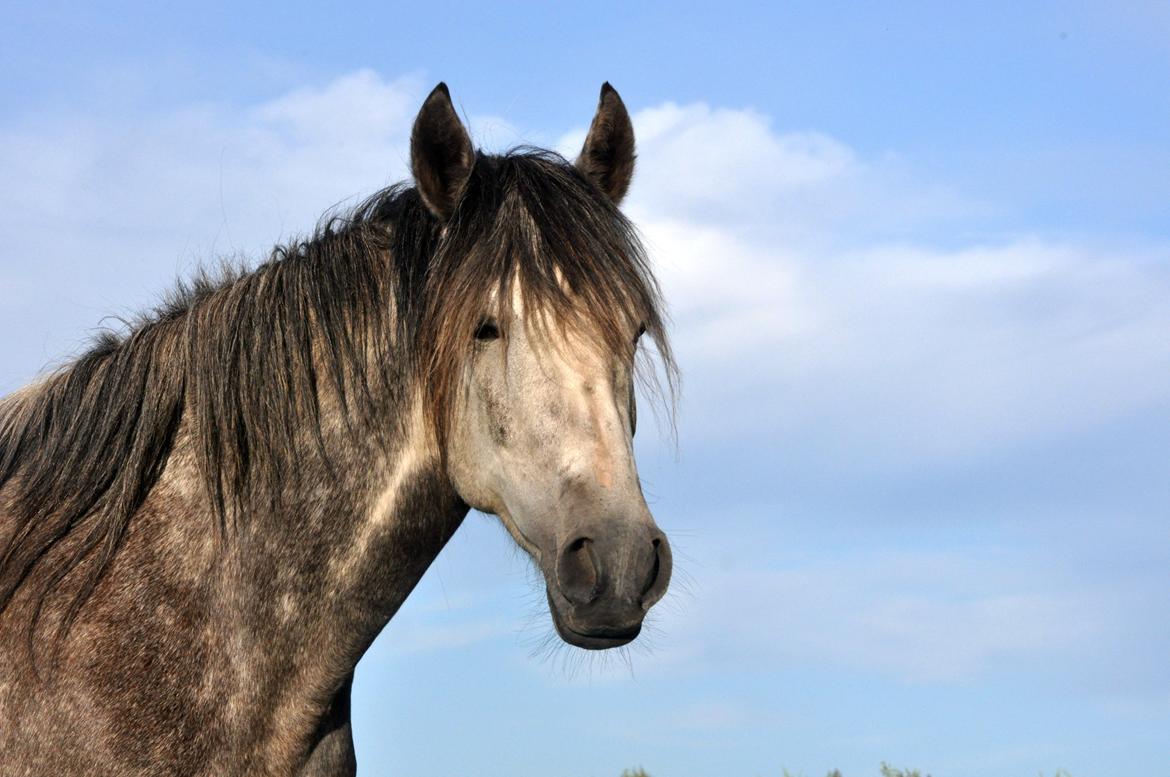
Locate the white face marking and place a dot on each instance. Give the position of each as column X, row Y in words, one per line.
column 539, row 410
column 542, row 437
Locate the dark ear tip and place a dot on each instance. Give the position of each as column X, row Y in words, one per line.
column 607, row 89
column 440, row 89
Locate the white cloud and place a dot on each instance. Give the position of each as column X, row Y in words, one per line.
column 412, row 636
column 797, row 314
column 356, row 108
column 918, row 616
column 719, row 715
column 697, row 160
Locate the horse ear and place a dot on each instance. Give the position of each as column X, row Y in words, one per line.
column 441, row 154
column 608, row 155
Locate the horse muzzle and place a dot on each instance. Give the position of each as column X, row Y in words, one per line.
column 601, row 588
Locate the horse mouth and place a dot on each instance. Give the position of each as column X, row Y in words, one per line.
column 600, row 638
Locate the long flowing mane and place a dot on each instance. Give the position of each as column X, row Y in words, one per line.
column 378, row 299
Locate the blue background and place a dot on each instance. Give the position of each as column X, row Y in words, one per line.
column 919, row 260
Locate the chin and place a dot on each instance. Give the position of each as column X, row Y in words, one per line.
column 594, row 637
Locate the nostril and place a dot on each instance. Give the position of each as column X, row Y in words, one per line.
column 659, row 577
column 578, row 573
column 655, row 569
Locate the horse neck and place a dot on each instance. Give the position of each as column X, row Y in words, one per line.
column 291, row 597
column 336, row 555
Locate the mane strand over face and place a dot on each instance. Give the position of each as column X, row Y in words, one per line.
column 530, row 223
column 376, row 301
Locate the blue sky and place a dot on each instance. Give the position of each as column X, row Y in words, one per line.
column 919, row 263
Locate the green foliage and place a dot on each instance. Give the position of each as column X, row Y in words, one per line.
column 889, row 771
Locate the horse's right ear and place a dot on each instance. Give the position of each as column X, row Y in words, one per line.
column 441, row 154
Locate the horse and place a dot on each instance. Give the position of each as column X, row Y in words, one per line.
column 207, row 518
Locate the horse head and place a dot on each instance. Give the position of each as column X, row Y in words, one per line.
column 539, row 294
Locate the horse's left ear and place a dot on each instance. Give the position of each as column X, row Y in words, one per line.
column 608, row 155
column 441, row 154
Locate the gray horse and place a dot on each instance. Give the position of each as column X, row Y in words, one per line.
column 205, row 523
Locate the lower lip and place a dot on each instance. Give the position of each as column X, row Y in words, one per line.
column 592, row 641
column 600, row 643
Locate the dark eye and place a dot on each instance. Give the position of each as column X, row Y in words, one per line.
column 487, row 330
column 641, row 331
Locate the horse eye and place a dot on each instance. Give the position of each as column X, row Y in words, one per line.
column 641, row 331
column 488, row 330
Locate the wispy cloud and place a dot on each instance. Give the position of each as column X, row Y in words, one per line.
column 411, row 635
column 883, row 347
column 917, row 616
